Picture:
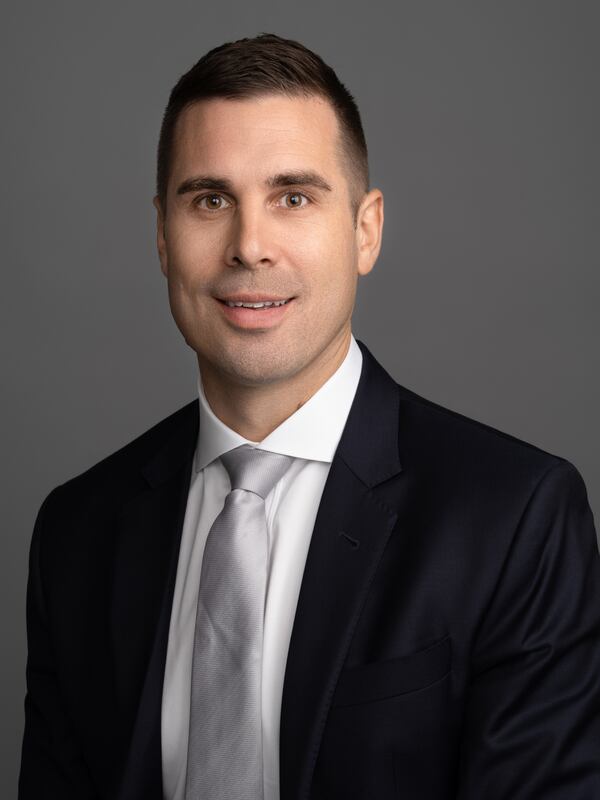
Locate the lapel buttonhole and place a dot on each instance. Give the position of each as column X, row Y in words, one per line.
column 354, row 543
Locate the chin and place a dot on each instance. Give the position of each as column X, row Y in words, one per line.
column 254, row 368
column 244, row 375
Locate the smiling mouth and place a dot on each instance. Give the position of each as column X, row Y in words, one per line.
column 255, row 304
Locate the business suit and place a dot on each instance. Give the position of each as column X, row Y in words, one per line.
column 447, row 637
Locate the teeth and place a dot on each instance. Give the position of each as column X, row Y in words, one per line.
column 266, row 304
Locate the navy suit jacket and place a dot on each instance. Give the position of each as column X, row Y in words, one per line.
column 446, row 644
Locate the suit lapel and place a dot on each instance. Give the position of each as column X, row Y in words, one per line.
column 149, row 533
column 353, row 525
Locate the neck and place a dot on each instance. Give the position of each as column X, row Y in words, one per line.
column 255, row 411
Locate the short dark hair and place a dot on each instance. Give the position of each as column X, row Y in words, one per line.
column 266, row 64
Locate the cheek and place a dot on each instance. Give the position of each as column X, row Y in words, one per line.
column 324, row 248
column 193, row 256
column 332, row 267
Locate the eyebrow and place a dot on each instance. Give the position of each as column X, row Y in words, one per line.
column 298, row 178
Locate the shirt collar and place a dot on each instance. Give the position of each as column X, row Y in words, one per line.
column 312, row 432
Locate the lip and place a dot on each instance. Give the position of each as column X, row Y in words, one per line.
column 252, row 298
column 254, row 319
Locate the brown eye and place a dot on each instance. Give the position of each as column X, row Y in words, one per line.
column 212, row 202
column 294, row 200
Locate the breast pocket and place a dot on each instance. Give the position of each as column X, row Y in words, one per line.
column 384, row 679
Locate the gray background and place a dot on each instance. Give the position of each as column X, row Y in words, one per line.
column 483, row 126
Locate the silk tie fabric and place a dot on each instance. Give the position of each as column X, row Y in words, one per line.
column 225, row 739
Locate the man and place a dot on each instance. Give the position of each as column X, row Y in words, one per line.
column 309, row 582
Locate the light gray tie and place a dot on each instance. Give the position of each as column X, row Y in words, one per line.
column 225, row 741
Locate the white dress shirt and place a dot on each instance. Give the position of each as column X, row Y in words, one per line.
column 310, row 436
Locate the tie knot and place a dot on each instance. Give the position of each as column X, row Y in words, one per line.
column 254, row 470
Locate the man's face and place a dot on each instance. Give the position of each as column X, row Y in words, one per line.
column 259, row 209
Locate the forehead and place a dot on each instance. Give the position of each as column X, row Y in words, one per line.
column 270, row 133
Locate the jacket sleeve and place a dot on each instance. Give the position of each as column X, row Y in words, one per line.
column 532, row 725
column 51, row 763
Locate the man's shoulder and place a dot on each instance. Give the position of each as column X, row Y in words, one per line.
column 455, row 424
column 121, row 472
column 444, row 441
column 435, row 436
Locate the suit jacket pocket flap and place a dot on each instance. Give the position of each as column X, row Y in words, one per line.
column 382, row 679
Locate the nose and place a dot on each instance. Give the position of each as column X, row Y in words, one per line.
column 252, row 239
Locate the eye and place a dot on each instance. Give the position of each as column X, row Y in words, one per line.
column 294, row 200
column 214, row 202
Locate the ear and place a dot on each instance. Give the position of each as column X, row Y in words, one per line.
column 161, row 243
column 369, row 229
